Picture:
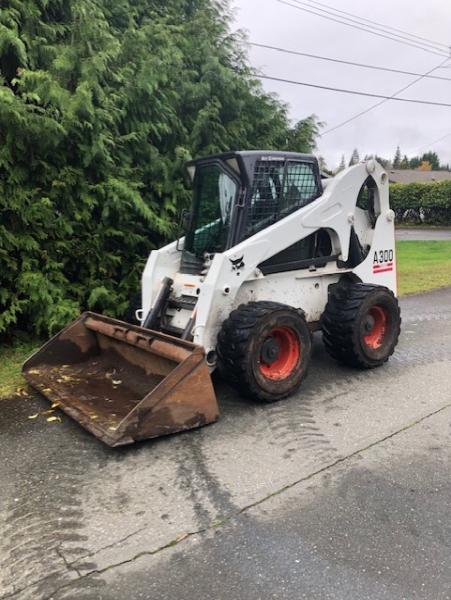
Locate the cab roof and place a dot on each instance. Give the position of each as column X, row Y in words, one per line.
column 243, row 161
column 255, row 154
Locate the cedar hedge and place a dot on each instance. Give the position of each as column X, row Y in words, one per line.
column 416, row 203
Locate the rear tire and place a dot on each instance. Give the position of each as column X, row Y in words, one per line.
column 361, row 325
column 264, row 349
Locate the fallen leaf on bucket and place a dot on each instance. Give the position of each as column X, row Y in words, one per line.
column 48, row 412
column 93, row 417
column 34, row 371
column 33, row 416
column 117, row 381
column 46, row 390
column 55, row 405
column 51, row 419
column 112, row 428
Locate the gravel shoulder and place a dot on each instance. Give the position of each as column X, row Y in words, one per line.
column 423, row 233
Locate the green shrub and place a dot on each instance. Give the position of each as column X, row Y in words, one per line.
column 428, row 203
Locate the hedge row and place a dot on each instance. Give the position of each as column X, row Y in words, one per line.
column 428, row 203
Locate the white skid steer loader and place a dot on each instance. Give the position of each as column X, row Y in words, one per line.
column 271, row 252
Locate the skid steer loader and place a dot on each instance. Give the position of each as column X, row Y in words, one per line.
column 271, row 252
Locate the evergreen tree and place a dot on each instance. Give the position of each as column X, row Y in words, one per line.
column 355, row 158
column 397, row 159
column 301, row 137
column 405, row 162
column 342, row 164
column 101, row 102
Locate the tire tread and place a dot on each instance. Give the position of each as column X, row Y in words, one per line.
column 339, row 323
column 233, row 343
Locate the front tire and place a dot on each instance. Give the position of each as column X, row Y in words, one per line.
column 361, row 325
column 264, row 349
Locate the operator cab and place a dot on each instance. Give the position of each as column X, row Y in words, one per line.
column 237, row 194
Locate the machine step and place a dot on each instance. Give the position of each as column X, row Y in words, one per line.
column 185, row 302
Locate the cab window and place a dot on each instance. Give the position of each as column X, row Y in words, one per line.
column 279, row 188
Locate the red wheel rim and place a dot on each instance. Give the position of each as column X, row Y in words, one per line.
column 289, row 354
column 376, row 325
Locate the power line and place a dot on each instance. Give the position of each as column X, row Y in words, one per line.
column 336, row 20
column 418, row 37
column 346, row 62
column 354, row 92
column 392, row 97
column 430, row 144
column 359, row 21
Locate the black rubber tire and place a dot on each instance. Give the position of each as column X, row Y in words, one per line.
column 343, row 324
column 240, row 344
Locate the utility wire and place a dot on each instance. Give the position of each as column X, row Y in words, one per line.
column 336, row 20
column 430, row 144
column 371, row 22
column 392, row 97
column 359, row 21
column 354, row 92
column 346, row 62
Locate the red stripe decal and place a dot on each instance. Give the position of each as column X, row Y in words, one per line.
column 382, row 270
column 382, row 266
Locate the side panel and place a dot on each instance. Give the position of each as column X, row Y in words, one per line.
column 379, row 267
column 294, row 288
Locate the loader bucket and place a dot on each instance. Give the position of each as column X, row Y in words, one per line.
column 124, row 383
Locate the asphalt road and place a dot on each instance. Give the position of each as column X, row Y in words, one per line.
column 340, row 492
column 423, row 234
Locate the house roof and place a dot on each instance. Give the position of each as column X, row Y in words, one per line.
column 415, row 176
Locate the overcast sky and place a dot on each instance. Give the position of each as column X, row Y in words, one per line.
column 380, row 131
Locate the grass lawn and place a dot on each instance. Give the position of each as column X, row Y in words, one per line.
column 11, row 359
column 423, row 266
